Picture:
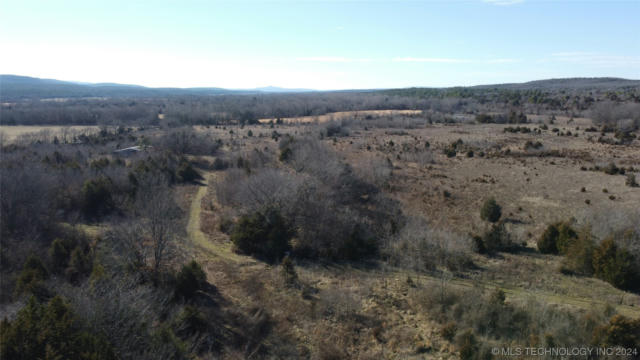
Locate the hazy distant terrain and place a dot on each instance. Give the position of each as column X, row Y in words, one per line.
column 13, row 87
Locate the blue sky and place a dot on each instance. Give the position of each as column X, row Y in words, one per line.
column 320, row 45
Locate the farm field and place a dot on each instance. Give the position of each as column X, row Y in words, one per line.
column 14, row 132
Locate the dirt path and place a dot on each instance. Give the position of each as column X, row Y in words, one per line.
column 512, row 292
column 193, row 227
column 208, row 248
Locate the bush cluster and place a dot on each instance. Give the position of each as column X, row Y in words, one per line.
column 532, row 145
column 493, row 240
column 620, row 331
column 490, row 210
column 517, row 129
column 615, row 265
column 557, row 238
column 97, row 198
column 31, row 277
column 263, row 234
column 190, row 279
column 476, row 319
column 186, row 172
column 50, row 331
column 607, row 261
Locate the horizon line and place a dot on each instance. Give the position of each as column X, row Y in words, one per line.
column 309, row 89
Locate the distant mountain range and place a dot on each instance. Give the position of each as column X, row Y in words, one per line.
column 568, row 83
column 14, row 87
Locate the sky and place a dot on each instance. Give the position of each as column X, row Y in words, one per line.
column 319, row 44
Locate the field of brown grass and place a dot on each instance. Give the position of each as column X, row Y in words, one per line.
column 380, row 316
column 11, row 133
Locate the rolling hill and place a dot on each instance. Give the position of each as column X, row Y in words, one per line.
column 14, row 87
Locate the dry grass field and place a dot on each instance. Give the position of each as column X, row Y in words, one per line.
column 403, row 302
column 14, row 132
column 536, row 187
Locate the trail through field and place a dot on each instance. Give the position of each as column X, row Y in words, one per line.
column 512, row 292
column 220, row 248
column 193, row 227
column 197, row 237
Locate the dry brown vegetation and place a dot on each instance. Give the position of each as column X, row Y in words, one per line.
column 382, row 311
column 364, row 231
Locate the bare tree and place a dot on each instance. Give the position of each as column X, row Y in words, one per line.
column 159, row 216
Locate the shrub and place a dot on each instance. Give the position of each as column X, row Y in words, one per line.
column 547, row 242
column 358, row 245
column 96, row 198
column 620, row 331
column 556, row 238
column 225, row 225
column 420, row 248
column 631, row 180
column 467, row 345
column 50, row 331
column 80, row 265
column 532, row 145
column 615, row 265
column 32, row 275
column 448, row 331
column 190, row 321
column 262, row 234
column 496, row 239
column 450, row 152
column 515, row 118
column 456, row 144
column 566, row 234
column 334, row 129
column 219, row 164
column 59, row 254
column 285, row 154
column 479, row 244
column 611, row 169
column 491, row 211
column 190, row 279
column 288, row 271
column 186, row 172
column 579, row 254
column 484, row 119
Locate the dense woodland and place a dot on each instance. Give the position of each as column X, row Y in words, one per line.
column 177, row 110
